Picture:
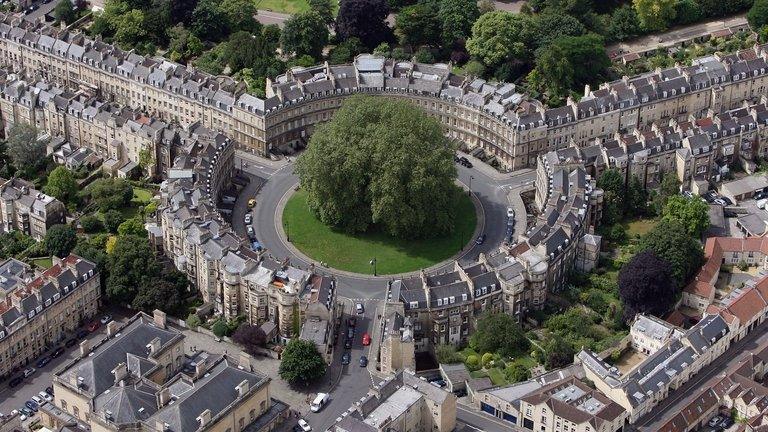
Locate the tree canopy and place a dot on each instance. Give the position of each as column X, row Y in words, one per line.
column 381, row 162
column 364, row 20
column 692, row 213
column 24, row 148
column 670, row 241
column 301, row 363
column 249, row 337
column 646, row 286
column 324, row 8
column 419, row 24
column 60, row 240
column 655, row 15
column 61, row 184
column 305, row 34
column 457, row 17
column 500, row 36
column 499, row 333
column 758, row 14
column 65, row 12
column 111, row 193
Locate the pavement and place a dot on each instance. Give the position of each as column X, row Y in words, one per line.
column 268, row 17
column 41, row 11
column 677, row 35
column 678, row 399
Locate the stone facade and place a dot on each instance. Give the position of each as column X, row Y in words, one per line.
column 24, row 208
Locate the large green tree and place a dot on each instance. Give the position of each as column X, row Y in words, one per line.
column 305, row 34
column 364, row 20
column 209, row 22
column 324, row 8
column 692, row 213
column 457, row 17
column 241, row 15
column 670, row 241
column 758, row 14
column 624, row 24
column 612, row 184
column 65, row 12
column 60, row 240
column 499, row 333
column 646, row 286
column 384, row 162
column 111, row 193
column 419, row 24
column 301, row 363
column 61, row 184
column 655, row 15
column 500, row 36
column 24, row 147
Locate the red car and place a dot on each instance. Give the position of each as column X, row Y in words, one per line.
column 92, row 327
column 366, row 339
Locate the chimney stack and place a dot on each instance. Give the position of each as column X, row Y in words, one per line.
column 111, row 328
column 204, row 418
column 120, row 372
column 154, row 346
column 163, row 397
column 159, row 317
column 85, row 348
column 242, row 389
column 200, row 368
column 244, row 362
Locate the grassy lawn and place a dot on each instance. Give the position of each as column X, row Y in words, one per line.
column 288, row 6
column 43, row 262
column 353, row 252
column 141, row 196
column 497, row 376
column 640, row 227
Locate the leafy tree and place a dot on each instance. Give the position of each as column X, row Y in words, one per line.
column 624, row 24
column 220, row 328
column 364, row 20
column 133, row 226
column 517, row 373
column 419, row 24
column 61, row 182
column 112, row 220
column 569, row 63
column 499, row 37
column 65, row 12
column 446, row 353
column 209, row 22
column 424, row 55
column 485, row 6
column 457, row 17
column 612, row 183
column 129, row 28
column 193, row 321
column 241, row 15
column 383, row 49
column 548, row 27
column 60, row 240
column 249, row 337
column 24, row 148
column 301, row 362
column 637, row 198
column 384, row 162
column 559, row 353
column 499, row 333
column 183, row 43
column 181, row 10
column 158, row 294
column 111, row 193
column 655, row 15
column 157, row 20
column 646, row 286
column 132, row 264
column 717, row 8
column 670, row 241
column 758, row 14
column 211, row 61
column 91, row 224
column 474, row 68
column 346, row 51
column 324, row 8
column 669, row 187
column 305, row 34
column 246, row 50
column 687, row 12
column 692, row 213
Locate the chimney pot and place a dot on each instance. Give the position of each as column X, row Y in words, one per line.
column 85, row 348
column 204, row 418
column 160, row 318
column 111, row 328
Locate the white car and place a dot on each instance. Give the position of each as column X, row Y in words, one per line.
column 304, row 425
column 248, row 218
column 106, row 318
column 38, row 400
column 46, row 396
column 510, row 212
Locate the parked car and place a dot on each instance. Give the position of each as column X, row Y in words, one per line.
column 719, row 201
column 43, row 361
column 346, row 358
column 360, row 308
column 15, row 381
column 352, row 321
column 57, row 352
column 252, row 203
column 727, row 200
column 726, row 422
column 248, row 218
column 26, row 411
column 350, row 332
column 45, row 396
column 347, row 343
column 31, row 405
column 304, row 425
column 70, row 343
column 38, row 400
column 49, row 390
column 714, row 421
column 106, row 319
column 363, row 361
column 480, row 239
column 28, row 372
column 92, row 327
column 510, row 213
column 319, row 402
column 366, row 339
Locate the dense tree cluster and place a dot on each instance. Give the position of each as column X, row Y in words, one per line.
column 301, row 363
column 249, row 337
column 646, row 285
column 110, row 193
column 670, row 241
column 499, row 333
column 381, row 162
column 692, row 213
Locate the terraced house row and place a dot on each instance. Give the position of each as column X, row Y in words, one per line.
column 494, row 117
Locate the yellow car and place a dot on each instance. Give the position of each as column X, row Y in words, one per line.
column 251, row 202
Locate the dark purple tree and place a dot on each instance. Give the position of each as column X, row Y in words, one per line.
column 249, row 337
column 646, row 285
column 365, row 20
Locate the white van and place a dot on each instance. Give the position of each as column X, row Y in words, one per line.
column 320, row 400
column 761, row 203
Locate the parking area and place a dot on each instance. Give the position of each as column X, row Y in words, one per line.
column 719, row 423
column 14, row 398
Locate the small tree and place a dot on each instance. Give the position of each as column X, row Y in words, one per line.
column 24, row 147
column 499, row 333
column 111, row 193
column 65, row 12
column 112, row 220
column 301, row 363
column 249, row 337
column 193, row 321
column 446, row 353
column 220, row 328
column 60, row 240
column 517, row 373
column 91, row 224
column 559, row 353
column 692, row 213
column 132, row 226
column 758, row 14
column 61, row 182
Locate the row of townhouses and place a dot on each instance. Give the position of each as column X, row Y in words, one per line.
column 494, row 117
column 24, row 208
column 142, row 377
column 428, row 310
column 40, row 309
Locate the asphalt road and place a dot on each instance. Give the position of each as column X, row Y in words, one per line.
column 678, row 399
column 41, row 11
column 491, row 192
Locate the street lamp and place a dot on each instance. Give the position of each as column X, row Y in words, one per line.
column 470, row 185
column 373, row 263
column 288, row 229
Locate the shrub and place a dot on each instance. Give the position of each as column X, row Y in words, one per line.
column 472, row 360
column 487, row 360
column 220, row 328
column 743, row 266
column 91, row 224
column 193, row 321
column 112, row 220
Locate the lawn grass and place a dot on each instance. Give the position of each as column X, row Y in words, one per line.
column 640, row 227
column 497, row 376
column 45, row 263
column 354, row 252
column 288, row 6
column 141, row 196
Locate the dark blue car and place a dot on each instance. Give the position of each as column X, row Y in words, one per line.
column 32, row 405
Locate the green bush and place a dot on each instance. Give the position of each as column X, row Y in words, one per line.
column 193, row 321
column 91, row 224
column 615, row 356
column 743, row 266
column 220, row 328
column 487, row 359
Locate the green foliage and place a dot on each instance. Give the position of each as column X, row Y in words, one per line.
column 419, row 24
column 211, row 61
column 133, row 226
column 209, row 22
column 193, row 321
column 424, row 55
column 743, row 266
column 624, row 24
column 24, row 148
column 91, row 224
column 487, row 360
column 111, row 193
column 384, row 162
column 241, row 15
column 446, row 353
column 60, row 240
column 670, row 186
column 517, row 373
column 220, row 328
column 457, row 17
column 692, row 213
column 112, row 220
column 500, row 36
column 324, row 8
column 670, row 241
column 548, row 27
column 183, row 44
column 305, row 34
column 499, row 333
column 655, row 15
column 64, row 12
column 383, row 50
column 758, row 14
column 687, row 12
column 132, row 266
column 13, row 243
column 474, row 68
column 301, row 362
column 364, row 20
column 62, row 185
column 346, row 51
column 559, row 353
column 646, row 286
